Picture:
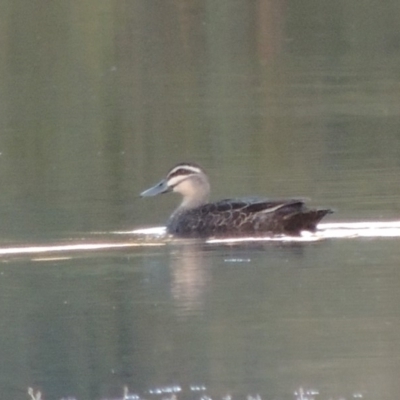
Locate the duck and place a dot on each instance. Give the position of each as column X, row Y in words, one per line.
column 196, row 217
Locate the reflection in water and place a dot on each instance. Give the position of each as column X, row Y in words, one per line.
column 190, row 276
column 230, row 319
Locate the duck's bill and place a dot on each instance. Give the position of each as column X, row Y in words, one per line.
column 160, row 188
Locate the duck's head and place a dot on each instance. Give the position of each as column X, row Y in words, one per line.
column 189, row 180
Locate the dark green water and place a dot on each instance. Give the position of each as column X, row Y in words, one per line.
column 98, row 99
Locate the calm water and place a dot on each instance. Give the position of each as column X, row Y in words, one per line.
column 98, row 100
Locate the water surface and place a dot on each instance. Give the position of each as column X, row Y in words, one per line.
column 99, row 99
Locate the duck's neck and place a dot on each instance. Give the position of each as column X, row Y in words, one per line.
column 188, row 203
column 195, row 192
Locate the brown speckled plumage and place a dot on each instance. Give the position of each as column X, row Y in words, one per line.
column 195, row 217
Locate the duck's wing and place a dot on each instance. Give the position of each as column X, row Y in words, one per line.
column 256, row 205
column 246, row 216
column 278, row 216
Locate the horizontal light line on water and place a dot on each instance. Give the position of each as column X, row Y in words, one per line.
column 70, row 247
column 157, row 230
column 333, row 230
column 336, row 230
column 360, row 225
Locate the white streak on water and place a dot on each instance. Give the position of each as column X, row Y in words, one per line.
column 157, row 230
column 69, row 247
column 339, row 230
column 336, row 230
column 157, row 237
column 361, row 225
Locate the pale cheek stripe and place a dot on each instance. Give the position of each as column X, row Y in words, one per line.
column 185, row 168
column 176, row 180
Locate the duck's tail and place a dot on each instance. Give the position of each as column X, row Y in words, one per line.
column 305, row 220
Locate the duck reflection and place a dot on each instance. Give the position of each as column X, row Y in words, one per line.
column 190, row 278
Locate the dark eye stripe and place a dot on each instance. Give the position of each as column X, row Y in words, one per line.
column 180, row 172
column 184, row 169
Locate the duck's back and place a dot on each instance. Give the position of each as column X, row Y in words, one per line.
column 240, row 217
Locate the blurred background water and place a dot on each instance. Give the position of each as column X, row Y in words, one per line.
column 98, row 99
